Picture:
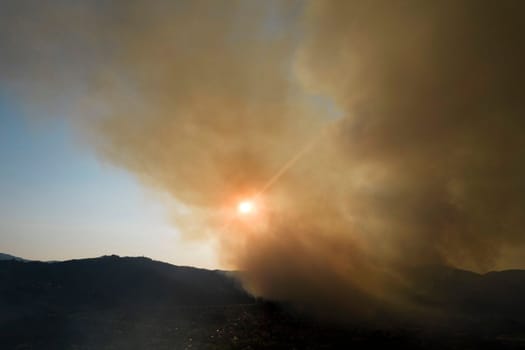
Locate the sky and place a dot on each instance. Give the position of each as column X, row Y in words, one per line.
column 59, row 201
column 373, row 137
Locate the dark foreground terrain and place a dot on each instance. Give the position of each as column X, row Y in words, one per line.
column 137, row 303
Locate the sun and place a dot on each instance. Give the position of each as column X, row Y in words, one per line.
column 246, row 207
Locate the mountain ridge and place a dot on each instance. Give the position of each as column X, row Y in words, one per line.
column 4, row 256
column 113, row 302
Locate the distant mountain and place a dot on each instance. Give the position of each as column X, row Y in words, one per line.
column 10, row 257
column 111, row 281
column 97, row 303
column 494, row 295
column 138, row 303
column 137, row 283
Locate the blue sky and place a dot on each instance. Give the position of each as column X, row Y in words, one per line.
column 59, row 201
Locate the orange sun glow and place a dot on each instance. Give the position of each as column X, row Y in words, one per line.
column 246, row 207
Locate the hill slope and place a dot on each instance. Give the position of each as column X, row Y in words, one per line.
column 138, row 303
column 111, row 281
column 10, row 257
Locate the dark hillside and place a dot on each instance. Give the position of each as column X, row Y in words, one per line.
column 138, row 303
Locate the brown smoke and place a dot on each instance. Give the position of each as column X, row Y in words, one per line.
column 207, row 100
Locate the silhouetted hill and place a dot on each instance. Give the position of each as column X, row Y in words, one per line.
column 494, row 295
column 137, row 303
column 10, row 257
column 111, row 281
column 96, row 302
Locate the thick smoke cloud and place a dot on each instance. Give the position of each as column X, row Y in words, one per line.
column 432, row 96
column 207, row 100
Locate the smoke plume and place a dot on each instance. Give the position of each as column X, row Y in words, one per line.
column 405, row 119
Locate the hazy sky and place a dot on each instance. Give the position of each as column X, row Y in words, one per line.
column 59, row 201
